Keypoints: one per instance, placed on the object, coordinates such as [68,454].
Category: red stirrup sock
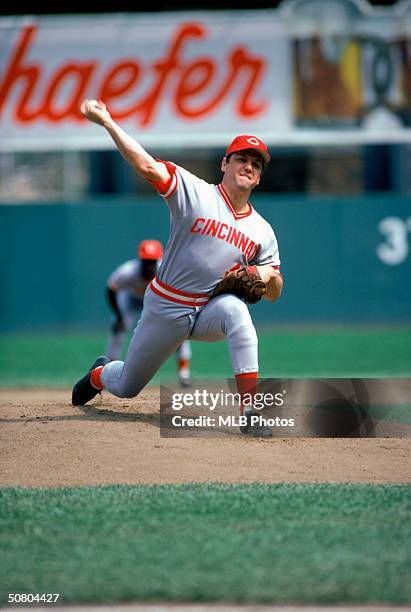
[183,363]
[247,384]
[95,378]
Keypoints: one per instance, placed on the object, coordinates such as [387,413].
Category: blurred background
[326,83]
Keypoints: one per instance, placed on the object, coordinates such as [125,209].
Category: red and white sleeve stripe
[167,188]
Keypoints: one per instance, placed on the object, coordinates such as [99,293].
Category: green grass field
[59,359]
[245,543]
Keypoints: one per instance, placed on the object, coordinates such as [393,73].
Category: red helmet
[150,249]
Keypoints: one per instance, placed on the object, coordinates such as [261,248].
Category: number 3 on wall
[395,249]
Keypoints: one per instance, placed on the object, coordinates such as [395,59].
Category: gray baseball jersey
[129,276]
[207,238]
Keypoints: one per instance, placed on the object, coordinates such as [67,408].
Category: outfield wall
[343,260]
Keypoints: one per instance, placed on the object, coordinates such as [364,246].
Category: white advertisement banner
[309,72]
[172,78]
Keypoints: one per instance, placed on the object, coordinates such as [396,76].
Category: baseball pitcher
[221,255]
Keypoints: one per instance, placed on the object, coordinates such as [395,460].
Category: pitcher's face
[242,170]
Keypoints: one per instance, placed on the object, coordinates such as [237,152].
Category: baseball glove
[248,287]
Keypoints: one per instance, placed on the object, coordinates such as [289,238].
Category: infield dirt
[46,442]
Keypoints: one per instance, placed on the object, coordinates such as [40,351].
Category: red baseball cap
[244,141]
[150,249]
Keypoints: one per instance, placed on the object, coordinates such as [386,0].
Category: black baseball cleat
[255,428]
[83,390]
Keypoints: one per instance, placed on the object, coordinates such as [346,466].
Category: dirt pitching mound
[46,442]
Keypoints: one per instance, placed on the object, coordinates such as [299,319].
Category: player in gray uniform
[125,293]
[213,229]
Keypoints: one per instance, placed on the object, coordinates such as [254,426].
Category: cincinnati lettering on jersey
[223,231]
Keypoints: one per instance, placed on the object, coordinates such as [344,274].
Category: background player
[214,230]
[125,292]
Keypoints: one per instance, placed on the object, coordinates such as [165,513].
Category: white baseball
[92,105]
